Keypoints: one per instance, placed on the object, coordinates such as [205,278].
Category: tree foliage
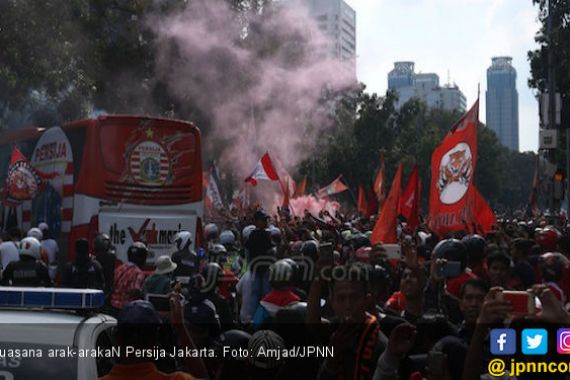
[410,135]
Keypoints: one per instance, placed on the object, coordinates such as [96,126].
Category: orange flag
[379,187]
[300,190]
[385,228]
[362,204]
[410,201]
[484,215]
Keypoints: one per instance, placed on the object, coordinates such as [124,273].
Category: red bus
[134,178]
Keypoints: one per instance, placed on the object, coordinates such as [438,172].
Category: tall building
[337,20]
[404,80]
[502,101]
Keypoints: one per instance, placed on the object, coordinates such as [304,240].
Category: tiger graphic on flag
[455,173]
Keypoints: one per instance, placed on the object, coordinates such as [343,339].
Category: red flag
[300,190]
[452,174]
[484,216]
[336,186]
[23,181]
[362,206]
[410,202]
[372,203]
[264,170]
[379,187]
[386,226]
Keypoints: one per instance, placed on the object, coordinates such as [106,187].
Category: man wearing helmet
[39,235]
[51,248]
[129,277]
[184,256]
[29,270]
[453,250]
[281,277]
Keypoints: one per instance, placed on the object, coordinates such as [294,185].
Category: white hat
[164,265]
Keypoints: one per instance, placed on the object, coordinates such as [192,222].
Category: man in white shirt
[9,248]
[51,247]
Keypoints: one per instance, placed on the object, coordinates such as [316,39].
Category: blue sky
[459,36]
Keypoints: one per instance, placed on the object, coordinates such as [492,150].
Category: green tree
[410,135]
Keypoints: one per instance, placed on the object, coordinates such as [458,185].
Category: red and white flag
[410,201]
[336,186]
[23,181]
[452,186]
[213,190]
[264,170]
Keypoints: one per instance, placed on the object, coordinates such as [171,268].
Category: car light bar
[51,298]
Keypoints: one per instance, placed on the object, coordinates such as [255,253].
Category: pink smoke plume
[314,205]
[262,91]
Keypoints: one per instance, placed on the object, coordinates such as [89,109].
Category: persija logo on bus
[155,158]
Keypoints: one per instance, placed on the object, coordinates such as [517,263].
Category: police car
[48,333]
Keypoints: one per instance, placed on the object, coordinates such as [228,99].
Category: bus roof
[21,134]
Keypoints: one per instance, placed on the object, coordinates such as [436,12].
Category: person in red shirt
[129,277]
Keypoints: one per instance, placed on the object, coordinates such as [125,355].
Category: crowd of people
[283,282]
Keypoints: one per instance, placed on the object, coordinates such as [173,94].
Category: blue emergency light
[51,298]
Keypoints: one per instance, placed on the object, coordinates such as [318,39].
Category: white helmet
[43,226]
[211,231]
[36,233]
[30,246]
[218,249]
[247,231]
[182,241]
[227,237]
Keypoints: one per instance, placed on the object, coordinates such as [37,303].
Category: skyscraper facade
[337,20]
[502,101]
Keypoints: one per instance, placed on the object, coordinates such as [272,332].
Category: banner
[453,165]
